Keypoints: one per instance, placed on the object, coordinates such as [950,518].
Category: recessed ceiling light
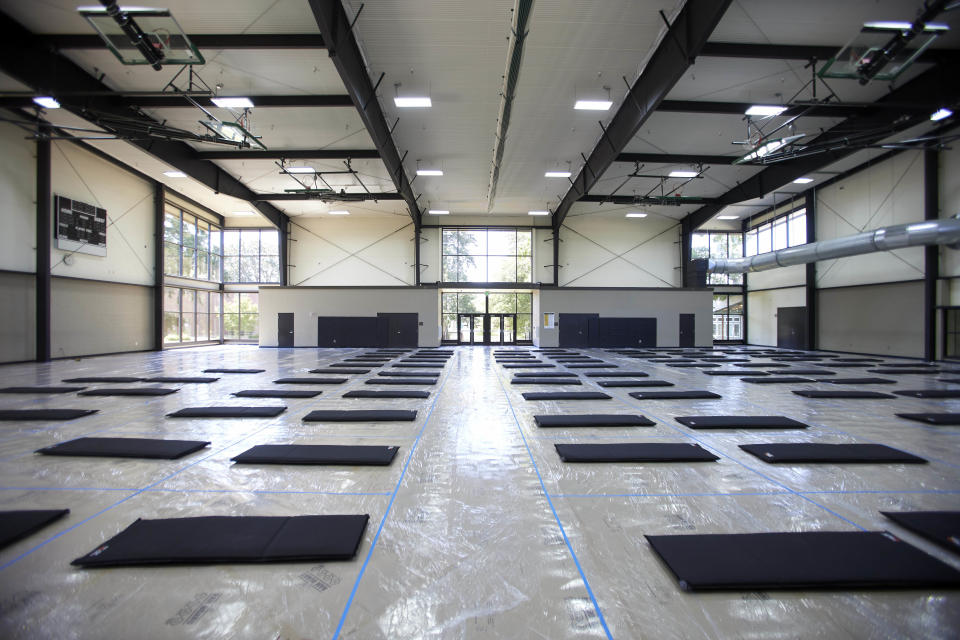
[241,213]
[903,26]
[429,172]
[47,102]
[940,114]
[438,212]
[412,101]
[175,174]
[765,110]
[300,170]
[339,213]
[593,105]
[803,181]
[233,103]
[636,214]
[557,174]
[728,217]
[683,174]
[538,213]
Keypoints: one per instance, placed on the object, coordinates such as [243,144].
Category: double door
[486,328]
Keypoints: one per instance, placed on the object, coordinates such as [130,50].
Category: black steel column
[416,255]
[931,254]
[159,201]
[556,256]
[283,234]
[44,198]
[811,279]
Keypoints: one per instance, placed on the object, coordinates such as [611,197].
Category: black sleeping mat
[15,525]
[933,418]
[740,422]
[546,380]
[363,415]
[182,380]
[616,374]
[590,366]
[859,381]
[894,372]
[941,527]
[418,365]
[790,452]
[317,454]
[727,372]
[817,393]
[386,393]
[634,383]
[44,414]
[310,380]
[128,391]
[634,452]
[277,393]
[593,420]
[776,380]
[222,539]
[227,412]
[929,393]
[41,389]
[125,448]
[565,395]
[104,379]
[234,370]
[674,395]
[414,381]
[338,370]
[542,365]
[807,560]
[545,374]
[409,374]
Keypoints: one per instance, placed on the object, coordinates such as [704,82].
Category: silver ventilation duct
[915,234]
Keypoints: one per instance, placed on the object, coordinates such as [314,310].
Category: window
[190,315]
[727,317]
[718,244]
[784,231]
[487,255]
[241,316]
[251,256]
[520,304]
[191,246]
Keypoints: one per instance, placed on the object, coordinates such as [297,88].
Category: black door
[575,329]
[400,329]
[347,331]
[627,332]
[284,329]
[792,327]
[688,335]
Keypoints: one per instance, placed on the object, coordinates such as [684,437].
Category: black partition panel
[398,329]
[575,329]
[626,332]
[284,329]
[792,328]
[347,331]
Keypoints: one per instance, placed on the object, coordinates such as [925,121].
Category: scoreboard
[79,226]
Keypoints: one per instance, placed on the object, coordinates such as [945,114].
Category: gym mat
[805,560]
[929,393]
[317,454]
[16,525]
[634,452]
[104,379]
[565,395]
[616,374]
[776,380]
[590,366]
[44,414]
[193,380]
[941,527]
[542,365]
[765,365]
[894,372]
[817,452]
[222,539]
[310,380]
[417,381]
[355,365]
[933,418]
[364,415]
[409,374]
[908,365]
[634,383]
[804,372]
[859,360]
[674,395]
[386,393]
[545,374]
[593,420]
[739,422]
[125,448]
[227,412]
[41,389]
[234,370]
[694,365]
[553,380]
[727,372]
[277,393]
[817,393]
[338,370]
[419,365]
[148,391]
[858,381]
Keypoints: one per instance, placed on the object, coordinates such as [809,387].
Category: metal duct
[915,234]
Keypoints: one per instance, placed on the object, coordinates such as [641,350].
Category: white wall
[949,164]
[18,324]
[780,277]
[430,255]
[17,200]
[543,255]
[80,175]
[87,317]
[885,319]
[352,252]
[762,311]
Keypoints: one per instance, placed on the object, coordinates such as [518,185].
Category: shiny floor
[477,530]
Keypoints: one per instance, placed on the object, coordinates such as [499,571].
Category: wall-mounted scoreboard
[79,226]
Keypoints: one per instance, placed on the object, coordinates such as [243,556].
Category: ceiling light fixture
[438,212]
[538,213]
[593,105]
[683,174]
[895,25]
[765,110]
[940,114]
[175,174]
[233,103]
[728,217]
[299,169]
[636,214]
[412,101]
[47,102]
[803,181]
[339,213]
[557,174]
[429,172]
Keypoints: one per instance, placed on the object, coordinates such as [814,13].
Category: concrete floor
[477,530]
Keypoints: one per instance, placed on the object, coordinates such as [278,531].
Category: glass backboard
[160,29]
[870,42]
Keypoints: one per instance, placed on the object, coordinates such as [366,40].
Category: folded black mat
[740,422]
[546,374]
[776,380]
[634,383]
[16,525]
[941,527]
[410,374]
[929,393]
[338,370]
[858,381]
[634,452]
[817,393]
[227,412]
[44,414]
[808,560]
[565,395]
[896,372]
[817,452]
[41,389]
[542,365]
[317,454]
[364,415]
[129,391]
[616,374]
[234,370]
[546,380]
[222,539]
[181,380]
[104,379]
[277,393]
[752,374]
[415,381]
[310,380]
[125,448]
[386,393]
[933,418]
[593,420]
[674,395]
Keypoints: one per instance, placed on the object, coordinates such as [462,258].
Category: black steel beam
[159,201]
[674,55]
[820,109]
[284,239]
[931,254]
[644,200]
[174,101]
[927,86]
[44,233]
[811,270]
[675,158]
[416,255]
[556,257]
[289,154]
[801,52]
[24,57]
[345,53]
[201,40]
[333,197]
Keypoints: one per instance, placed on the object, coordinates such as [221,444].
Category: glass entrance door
[503,329]
[496,329]
[470,328]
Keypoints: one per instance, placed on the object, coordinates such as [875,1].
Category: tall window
[487,255]
[727,317]
[241,316]
[718,244]
[251,256]
[191,246]
[784,231]
[520,304]
[190,315]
